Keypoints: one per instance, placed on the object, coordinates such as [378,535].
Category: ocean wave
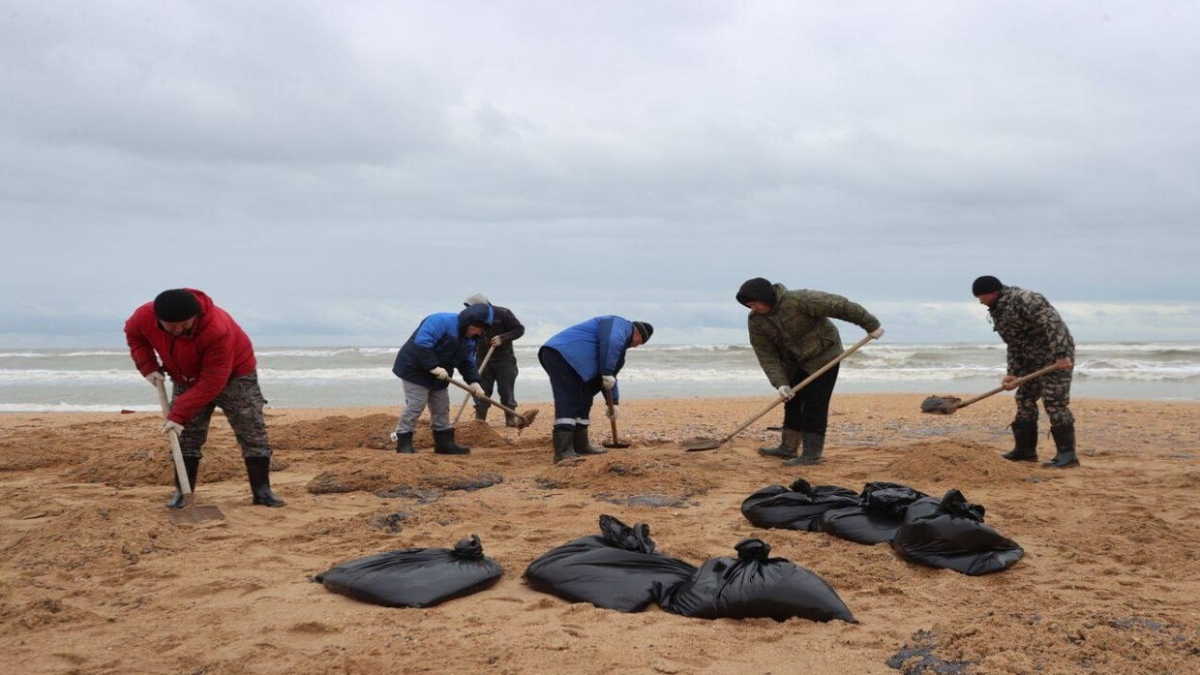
[71,407]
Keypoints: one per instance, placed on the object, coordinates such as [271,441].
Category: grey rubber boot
[1025,435]
[564,442]
[404,444]
[259,471]
[814,445]
[1064,447]
[579,441]
[443,444]
[787,446]
[191,466]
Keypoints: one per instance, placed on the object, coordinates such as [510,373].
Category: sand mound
[371,431]
[944,464]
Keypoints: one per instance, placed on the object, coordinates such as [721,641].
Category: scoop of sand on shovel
[946,405]
[709,444]
[188,512]
[524,419]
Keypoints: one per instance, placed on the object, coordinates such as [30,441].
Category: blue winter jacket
[441,340]
[595,347]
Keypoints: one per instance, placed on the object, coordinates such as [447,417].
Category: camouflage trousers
[1055,391]
[242,402]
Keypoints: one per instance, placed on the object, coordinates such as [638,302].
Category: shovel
[188,512]
[702,444]
[614,443]
[946,405]
[525,418]
[467,398]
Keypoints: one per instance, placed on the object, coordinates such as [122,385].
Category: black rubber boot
[404,444]
[1025,435]
[564,445]
[814,445]
[787,446]
[259,470]
[1064,447]
[443,444]
[481,414]
[579,440]
[191,466]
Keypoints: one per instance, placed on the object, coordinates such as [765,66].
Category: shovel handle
[1019,381]
[612,422]
[185,487]
[487,357]
[808,380]
[467,389]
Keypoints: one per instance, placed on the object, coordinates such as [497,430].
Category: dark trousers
[808,410]
[572,394]
[500,375]
[242,402]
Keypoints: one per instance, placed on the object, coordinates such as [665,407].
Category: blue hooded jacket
[441,340]
[595,347]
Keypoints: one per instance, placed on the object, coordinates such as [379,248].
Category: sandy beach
[96,579]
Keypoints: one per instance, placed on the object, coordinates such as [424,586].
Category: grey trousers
[416,397]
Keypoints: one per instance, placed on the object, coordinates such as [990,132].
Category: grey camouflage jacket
[798,335]
[1033,330]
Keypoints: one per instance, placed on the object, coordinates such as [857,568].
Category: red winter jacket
[216,351]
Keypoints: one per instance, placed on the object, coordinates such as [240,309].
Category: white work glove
[877,333]
[154,378]
[497,341]
[170,426]
[785,392]
[477,390]
[440,373]
[612,412]
[608,381]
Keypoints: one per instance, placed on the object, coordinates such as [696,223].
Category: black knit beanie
[757,289]
[645,329]
[177,304]
[984,285]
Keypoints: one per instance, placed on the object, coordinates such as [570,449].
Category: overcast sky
[331,172]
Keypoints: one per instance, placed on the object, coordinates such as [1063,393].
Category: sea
[104,380]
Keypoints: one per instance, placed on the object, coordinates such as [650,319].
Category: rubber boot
[564,445]
[1025,435]
[814,445]
[259,470]
[481,414]
[787,446]
[443,444]
[511,420]
[404,444]
[191,466]
[1064,447]
[580,442]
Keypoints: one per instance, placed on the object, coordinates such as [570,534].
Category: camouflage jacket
[797,334]
[1034,332]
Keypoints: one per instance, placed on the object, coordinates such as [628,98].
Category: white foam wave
[71,407]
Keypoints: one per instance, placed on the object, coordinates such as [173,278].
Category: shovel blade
[191,513]
[617,444]
[702,444]
[526,419]
[940,405]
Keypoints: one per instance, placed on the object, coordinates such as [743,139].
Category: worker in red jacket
[211,363]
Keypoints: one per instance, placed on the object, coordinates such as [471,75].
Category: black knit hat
[645,329]
[757,289]
[177,304]
[984,285]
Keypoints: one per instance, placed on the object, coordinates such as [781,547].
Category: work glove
[154,378]
[785,392]
[440,373]
[877,333]
[477,390]
[497,341]
[612,412]
[170,426]
[608,381]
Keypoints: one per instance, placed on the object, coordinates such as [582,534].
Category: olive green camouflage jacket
[1033,330]
[797,334]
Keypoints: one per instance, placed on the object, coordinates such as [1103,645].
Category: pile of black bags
[950,533]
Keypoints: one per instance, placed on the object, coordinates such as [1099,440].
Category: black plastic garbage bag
[754,585]
[880,512]
[951,534]
[415,577]
[617,569]
[796,508]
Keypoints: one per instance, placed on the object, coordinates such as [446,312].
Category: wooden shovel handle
[185,486]
[467,389]
[1019,381]
[487,357]
[612,422]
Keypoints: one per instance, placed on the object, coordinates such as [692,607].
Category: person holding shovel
[211,363]
[581,361]
[1035,336]
[793,337]
[425,364]
[501,370]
